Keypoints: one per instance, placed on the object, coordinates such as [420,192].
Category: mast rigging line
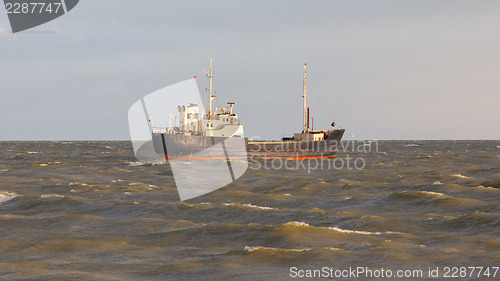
[291,109]
[321,102]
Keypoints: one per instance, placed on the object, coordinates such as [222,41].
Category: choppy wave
[248,205]
[52,196]
[6,196]
[301,224]
[135,163]
[404,207]
[250,249]
[461,176]
[78,184]
[419,194]
[413,145]
[140,163]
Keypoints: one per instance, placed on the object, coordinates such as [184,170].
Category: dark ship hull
[193,147]
[297,150]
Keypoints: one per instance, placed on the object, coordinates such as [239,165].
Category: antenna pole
[210,97]
[304,123]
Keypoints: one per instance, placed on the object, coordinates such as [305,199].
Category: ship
[197,133]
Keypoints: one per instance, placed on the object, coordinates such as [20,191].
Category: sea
[415,210]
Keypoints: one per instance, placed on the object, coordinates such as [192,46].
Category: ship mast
[304,124]
[210,96]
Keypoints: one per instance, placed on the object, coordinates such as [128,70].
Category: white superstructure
[218,122]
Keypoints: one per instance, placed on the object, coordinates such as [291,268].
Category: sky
[379,69]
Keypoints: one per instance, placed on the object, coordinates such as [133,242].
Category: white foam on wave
[250,249]
[297,223]
[437,183]
[338,229]
[52,196]
[413,145]
[258,207]
[140,163]
[77,184]
[248,205]
[433,193]
[461,176]
[6,196]
[136,163]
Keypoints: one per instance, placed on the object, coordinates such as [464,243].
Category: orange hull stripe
[297,157]
[265,157]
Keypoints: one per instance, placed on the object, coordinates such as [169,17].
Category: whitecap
[338,229]
[52,196]
[297,223]
[6,196]
[250,249]
[78,184]
[461,176]
[433,193]
[136,163]
[258,207]
[248,205]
